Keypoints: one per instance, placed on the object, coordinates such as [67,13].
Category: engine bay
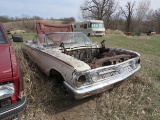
[99,57]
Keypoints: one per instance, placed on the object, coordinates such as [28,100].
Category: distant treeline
[136,22]
[28,23]
[5,18]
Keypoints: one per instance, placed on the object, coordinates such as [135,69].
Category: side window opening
[85,26]
[2,38]
[81,26]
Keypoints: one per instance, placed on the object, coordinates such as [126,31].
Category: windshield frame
[71,40]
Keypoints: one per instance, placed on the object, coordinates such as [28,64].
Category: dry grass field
[137,98]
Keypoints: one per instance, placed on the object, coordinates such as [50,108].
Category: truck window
[81,26]
[2,38]
[97,25]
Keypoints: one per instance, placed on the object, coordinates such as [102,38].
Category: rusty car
[83,67]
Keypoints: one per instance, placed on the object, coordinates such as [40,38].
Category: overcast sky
[50,8]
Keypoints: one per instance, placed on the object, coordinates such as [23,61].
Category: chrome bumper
[98,87]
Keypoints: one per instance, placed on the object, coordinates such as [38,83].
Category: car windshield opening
[67,38]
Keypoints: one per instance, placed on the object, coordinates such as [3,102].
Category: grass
[137,98]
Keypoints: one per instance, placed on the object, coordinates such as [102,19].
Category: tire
[17,38]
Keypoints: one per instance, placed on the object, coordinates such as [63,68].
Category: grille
[99,31]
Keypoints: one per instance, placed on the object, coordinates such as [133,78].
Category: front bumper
[98,87]
[97,34]
[12,109]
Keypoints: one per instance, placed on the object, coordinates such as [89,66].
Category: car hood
[5,63]
[77,64]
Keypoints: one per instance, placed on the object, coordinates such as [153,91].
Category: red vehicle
[12,101]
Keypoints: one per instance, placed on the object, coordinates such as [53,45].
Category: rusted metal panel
[43,28]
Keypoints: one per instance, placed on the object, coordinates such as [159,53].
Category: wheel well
[54,73]
[25,55]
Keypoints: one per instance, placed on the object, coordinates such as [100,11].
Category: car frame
[69,56]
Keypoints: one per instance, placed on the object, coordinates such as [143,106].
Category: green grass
[145,44]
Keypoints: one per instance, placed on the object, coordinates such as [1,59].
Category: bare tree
[141,11]
[98,9]
[116,20]
[156,17]
[148,22]
[5,18]
[128,14]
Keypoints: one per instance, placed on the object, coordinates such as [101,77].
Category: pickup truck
[12,100]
